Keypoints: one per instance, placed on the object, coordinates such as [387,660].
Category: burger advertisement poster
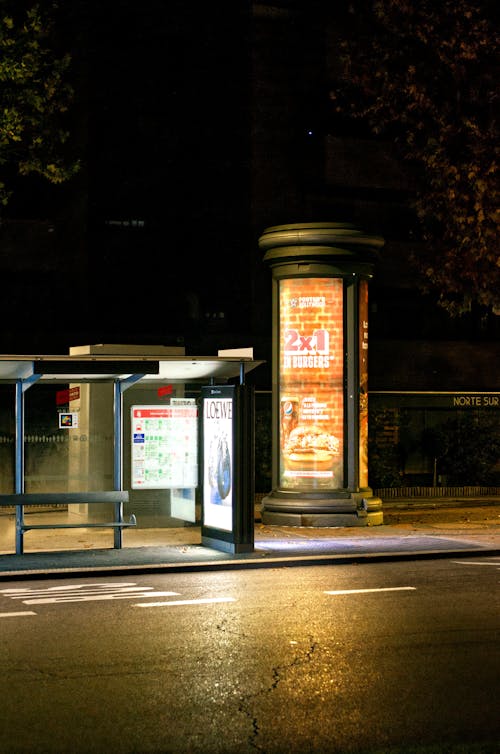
[311,383]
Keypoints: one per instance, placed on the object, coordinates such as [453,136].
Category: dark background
[199,127]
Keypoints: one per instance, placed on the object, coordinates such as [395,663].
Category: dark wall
[169,161]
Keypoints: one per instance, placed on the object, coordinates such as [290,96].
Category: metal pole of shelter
[21,387]
[119,388]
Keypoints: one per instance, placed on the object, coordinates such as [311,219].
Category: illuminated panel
[363,383]
[311,383]
[164,447]
[218,460]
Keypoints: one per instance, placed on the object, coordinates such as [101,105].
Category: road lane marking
[366,591]
[475,562]
[207,601]
[65,591]
[96,597]
[17,615]
[83,593]
[98,593]
[69,588]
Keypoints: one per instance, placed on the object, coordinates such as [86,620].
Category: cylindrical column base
[338,508]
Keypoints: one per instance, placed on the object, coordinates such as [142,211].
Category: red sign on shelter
[65,396]
[164,390]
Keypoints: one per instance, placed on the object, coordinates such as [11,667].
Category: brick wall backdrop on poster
[312,366]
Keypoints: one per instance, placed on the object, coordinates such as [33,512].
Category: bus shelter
[77,429]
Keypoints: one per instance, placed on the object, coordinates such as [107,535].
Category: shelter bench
[116,497]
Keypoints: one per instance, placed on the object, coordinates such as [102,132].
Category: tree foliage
[426,74]
[35,95]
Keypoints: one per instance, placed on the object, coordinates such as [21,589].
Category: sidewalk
[412,529]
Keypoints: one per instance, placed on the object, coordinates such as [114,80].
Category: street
[383,657]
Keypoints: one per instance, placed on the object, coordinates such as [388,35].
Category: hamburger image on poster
[310,447]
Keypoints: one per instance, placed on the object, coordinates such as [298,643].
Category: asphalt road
[382,657]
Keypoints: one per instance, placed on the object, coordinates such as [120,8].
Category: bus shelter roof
[97,368]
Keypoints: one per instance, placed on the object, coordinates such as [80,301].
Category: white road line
[83,593]
[366,591]
[69,588]
[99,593]
[96,597]
[207,601]
[76,591]
[474,562]
[16,615]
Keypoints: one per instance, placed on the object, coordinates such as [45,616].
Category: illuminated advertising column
[320,375]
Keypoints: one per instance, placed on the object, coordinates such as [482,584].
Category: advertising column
[320,274]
